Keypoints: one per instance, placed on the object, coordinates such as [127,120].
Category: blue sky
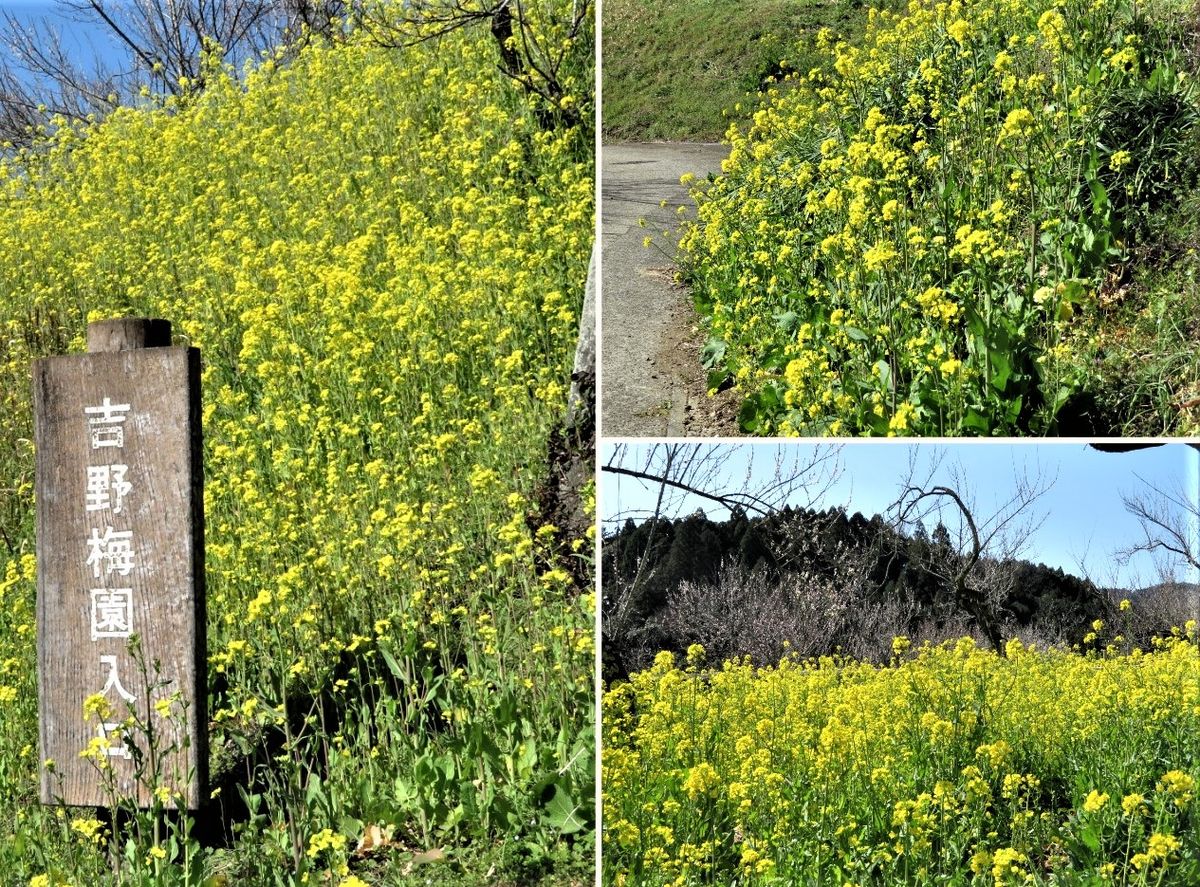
[1085,521]
[83,41]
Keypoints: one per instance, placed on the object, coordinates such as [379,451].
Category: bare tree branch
[999,536]
[1168,520]
[530,52]
[797,476]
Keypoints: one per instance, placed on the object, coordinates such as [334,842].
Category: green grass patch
[1143,368]
[673,68]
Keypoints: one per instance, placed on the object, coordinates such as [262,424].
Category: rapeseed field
[933,230]
[381,254]
[949,765]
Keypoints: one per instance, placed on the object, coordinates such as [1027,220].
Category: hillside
[381,255]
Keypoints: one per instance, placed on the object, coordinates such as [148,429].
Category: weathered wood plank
[120,548]
[128,334]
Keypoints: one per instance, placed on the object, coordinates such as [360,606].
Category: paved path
[649,370]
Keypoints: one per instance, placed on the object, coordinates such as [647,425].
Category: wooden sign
[120,553]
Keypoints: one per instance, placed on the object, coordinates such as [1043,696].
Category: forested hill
[859,562]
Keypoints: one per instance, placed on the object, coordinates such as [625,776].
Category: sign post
[120,553]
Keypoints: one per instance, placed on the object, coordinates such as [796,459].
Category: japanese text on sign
[109,552]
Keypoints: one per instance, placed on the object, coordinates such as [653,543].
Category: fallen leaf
[425,857]
[373,838]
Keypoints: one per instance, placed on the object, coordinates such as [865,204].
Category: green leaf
[562,811]
[774,358]
[1099,196]
[1061,396]
[1001,369]
[770,399]
[504,812]
[713,353]
[855,334]
[787,321]
[716,379]
[403,791]
[884,369]
[313,792]
[877,424]
[1072,291]
[1014,409]
[349,826]
[529,756]
[976,421]
[390,661]
[749,414]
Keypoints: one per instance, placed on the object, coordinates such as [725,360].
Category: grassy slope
[672,66]
[1146,366]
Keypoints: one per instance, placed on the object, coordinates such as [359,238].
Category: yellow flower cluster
[951,761]
[325,840]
